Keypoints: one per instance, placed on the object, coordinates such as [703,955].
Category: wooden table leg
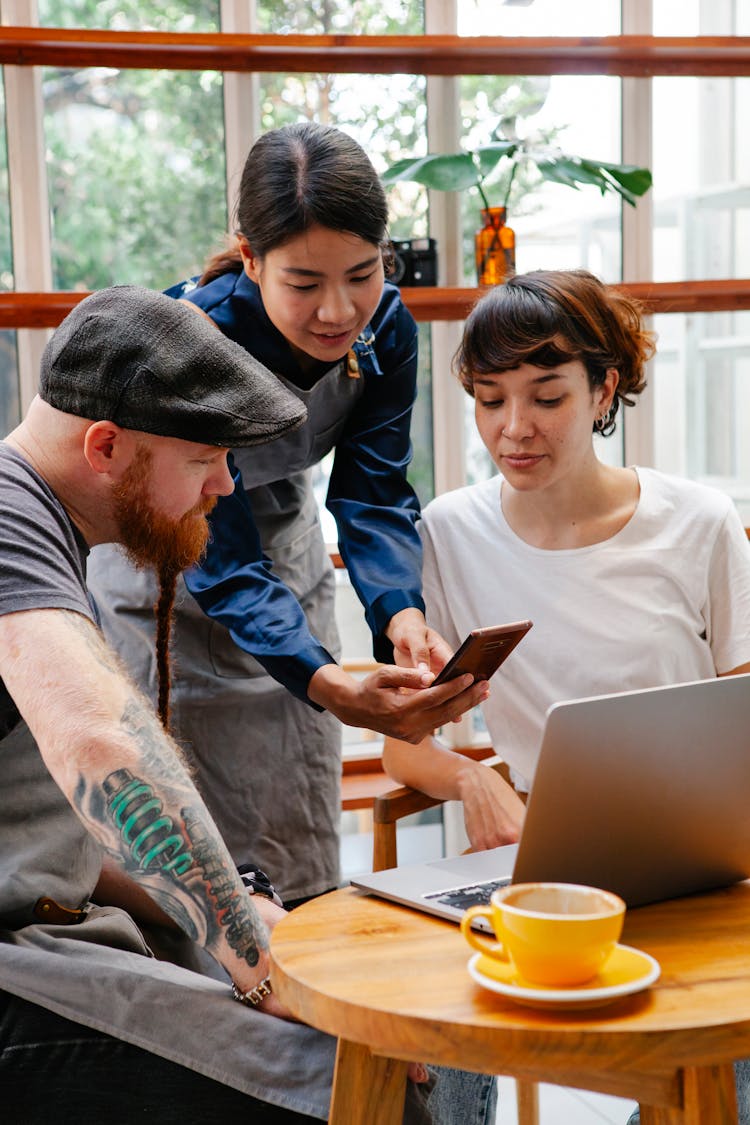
[367,1089]
[709,1098]
[527,1102]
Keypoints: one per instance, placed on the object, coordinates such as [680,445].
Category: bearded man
[139,401]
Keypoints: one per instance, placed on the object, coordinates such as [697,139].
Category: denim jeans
[742,1081]
[54,1070]
[462,1098]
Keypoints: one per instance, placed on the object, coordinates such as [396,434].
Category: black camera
[414,261]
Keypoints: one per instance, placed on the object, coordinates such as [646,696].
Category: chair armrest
[397,803]
[391,807]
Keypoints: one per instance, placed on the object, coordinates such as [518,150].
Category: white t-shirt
[665,600]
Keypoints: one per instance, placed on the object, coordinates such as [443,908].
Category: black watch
[257,882]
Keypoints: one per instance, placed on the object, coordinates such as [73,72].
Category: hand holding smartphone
[483,651]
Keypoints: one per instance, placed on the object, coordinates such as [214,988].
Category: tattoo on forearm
[150,835]
[141,722]
[156,842]
[232,907]
[166,839]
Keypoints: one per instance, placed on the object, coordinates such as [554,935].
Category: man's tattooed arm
[150,817]
[124,776]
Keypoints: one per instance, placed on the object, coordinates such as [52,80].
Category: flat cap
[147,362]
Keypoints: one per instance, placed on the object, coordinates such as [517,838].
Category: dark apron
[267,764]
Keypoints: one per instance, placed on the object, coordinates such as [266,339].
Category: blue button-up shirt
[374,507]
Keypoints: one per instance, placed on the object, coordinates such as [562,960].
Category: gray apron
[103,973]
[267,764]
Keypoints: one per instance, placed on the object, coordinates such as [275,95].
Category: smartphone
[483,651]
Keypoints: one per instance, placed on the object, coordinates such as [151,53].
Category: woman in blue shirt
[258,692]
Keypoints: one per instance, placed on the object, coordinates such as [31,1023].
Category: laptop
[645,793]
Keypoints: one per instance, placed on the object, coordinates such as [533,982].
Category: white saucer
[628,970]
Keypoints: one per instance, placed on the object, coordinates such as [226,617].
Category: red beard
[149,537]
[170,546]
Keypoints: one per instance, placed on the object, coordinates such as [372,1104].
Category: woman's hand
[415,645]
[394,701]
[493,811]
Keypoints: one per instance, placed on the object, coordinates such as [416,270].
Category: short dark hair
[550,317]
[298,176]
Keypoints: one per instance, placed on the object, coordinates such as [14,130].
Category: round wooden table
[392,985]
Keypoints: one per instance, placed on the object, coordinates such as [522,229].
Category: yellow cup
[556,934]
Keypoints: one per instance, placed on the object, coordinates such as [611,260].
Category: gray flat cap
[148,362]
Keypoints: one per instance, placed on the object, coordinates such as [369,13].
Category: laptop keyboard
[477,894]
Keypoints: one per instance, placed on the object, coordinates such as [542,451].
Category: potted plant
[495,242]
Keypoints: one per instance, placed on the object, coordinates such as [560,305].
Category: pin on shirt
[352,364]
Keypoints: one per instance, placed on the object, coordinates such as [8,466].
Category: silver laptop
[646,793]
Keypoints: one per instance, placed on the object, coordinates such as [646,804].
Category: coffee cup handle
[483,944]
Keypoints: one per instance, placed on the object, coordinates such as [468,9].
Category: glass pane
[135,157]
[479,464]
[676,17]
[701,227]
[421,470]
[135,162]
[556,227]
[700,17]
[131,15]
[539,17]
[702,400]
[342,17]
[10,398]
[701,178]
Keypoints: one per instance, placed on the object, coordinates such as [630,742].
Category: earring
[603,421]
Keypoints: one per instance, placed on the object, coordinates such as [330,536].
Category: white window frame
[29,197]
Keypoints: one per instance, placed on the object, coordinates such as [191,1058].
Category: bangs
[505,348]
[552,353]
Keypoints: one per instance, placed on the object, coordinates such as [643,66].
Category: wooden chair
[390,807]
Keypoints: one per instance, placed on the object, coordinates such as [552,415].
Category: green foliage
[135,157]
[355,17]
[627,180]
[463,170]
[136,169]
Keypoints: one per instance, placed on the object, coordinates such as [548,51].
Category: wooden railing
[625,56]
[657,297]
[46,310]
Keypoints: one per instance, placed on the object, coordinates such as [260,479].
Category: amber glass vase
[494,248]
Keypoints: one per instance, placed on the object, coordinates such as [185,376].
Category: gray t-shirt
[102,973]
[42,555]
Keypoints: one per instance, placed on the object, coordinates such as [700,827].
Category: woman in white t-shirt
[632,578]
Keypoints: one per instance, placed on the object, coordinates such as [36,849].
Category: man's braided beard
[169,546]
